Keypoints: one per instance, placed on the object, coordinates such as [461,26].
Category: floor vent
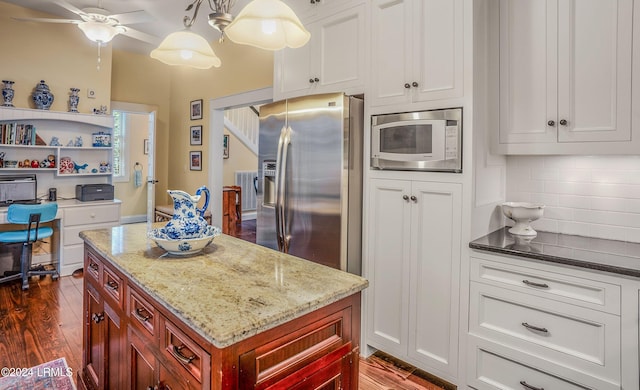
[245,180]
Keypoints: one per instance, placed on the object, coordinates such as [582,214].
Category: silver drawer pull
[536,328]
[528,386]
[534,284]
[176,352]
[142,314]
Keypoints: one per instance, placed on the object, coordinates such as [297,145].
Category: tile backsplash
[593,196]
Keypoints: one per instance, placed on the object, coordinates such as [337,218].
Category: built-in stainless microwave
[421,141]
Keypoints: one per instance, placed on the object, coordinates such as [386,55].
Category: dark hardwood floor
[45,323]
[246,230]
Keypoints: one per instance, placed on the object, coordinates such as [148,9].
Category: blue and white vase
[188,220]
[74,99]
[7,93]
[42,96]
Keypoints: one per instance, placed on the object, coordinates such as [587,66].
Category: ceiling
[167,14]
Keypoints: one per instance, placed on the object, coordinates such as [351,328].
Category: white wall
[594,196]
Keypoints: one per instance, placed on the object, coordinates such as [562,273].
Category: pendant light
[186,48]
[266,24]
[269,25]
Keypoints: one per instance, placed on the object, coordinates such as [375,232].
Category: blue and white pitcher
[188,220]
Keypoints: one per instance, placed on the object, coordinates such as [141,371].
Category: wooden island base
[132,341]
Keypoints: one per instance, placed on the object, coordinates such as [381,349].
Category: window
[120,154]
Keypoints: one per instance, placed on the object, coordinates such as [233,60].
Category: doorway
[217,107]
[135,185]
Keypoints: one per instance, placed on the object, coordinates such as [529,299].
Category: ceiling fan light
[268,24]
[99,32]
[186,48]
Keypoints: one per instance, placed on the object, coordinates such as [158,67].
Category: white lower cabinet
[79,217]
[545,326]
[413,268]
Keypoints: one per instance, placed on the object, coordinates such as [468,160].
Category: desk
[67,248]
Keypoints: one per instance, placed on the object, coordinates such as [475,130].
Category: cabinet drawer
[187,357]
[72,236]
[172,381]
[493,371]
[73,254]
[93,268]
[554,285]
[572,336]
[142,314]
[113,287]
[90,215]
[267,364]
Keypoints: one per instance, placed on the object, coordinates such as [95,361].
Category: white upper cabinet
[416,51]
[332,61]
[565,76]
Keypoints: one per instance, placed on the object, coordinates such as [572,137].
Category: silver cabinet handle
[310,81]
[405,197]
[551,123]
[407,85]
[534,284]
[536,328]
[563,122]
[528,386]
[414,84]
[176,352]
[140,314]
[97,317]
[414,199]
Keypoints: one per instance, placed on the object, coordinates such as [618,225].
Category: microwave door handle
[285,212]
[279,183]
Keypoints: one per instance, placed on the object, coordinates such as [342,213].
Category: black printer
[90,192]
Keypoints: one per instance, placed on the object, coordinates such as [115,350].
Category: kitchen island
[236,316]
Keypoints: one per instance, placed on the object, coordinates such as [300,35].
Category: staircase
[243,123]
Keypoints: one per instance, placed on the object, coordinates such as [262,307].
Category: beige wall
[243,69]
[140,79]
[59,54]
[240,158]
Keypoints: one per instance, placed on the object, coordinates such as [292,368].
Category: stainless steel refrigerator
[310,179]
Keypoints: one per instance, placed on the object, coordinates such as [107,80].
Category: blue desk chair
[30,216]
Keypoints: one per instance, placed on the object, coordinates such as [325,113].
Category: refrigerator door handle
[279,184]
[285,237]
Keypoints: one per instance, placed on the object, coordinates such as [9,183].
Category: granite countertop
[232,290]
[619,257]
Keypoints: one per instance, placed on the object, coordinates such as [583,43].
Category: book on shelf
[17,134]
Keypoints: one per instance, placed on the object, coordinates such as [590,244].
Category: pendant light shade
[186,48]
[267,24]
[100,32]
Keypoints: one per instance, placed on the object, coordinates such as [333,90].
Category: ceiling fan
[100,26]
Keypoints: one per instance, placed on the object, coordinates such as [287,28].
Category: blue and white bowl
[184,246]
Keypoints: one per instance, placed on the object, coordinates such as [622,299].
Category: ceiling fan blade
[139,35]
[69,7]
[133,17]
[46,20]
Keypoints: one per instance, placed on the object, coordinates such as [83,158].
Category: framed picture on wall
[195,160]
[225,146]
[145,148]
[196,109]
[196,135]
